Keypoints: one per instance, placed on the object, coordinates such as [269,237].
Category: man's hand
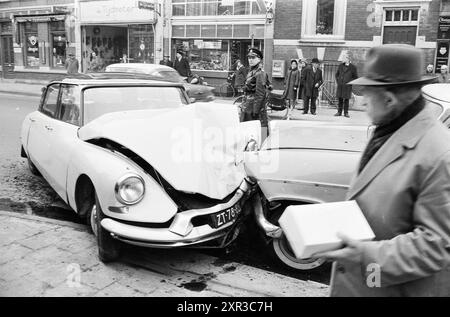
[317,85]
[351,253]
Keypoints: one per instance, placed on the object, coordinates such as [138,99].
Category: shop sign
[115,11]
[278,68]
[442,55]
[146,5]
[213,45]
[444,28]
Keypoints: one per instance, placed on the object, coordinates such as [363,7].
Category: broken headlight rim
[130,189]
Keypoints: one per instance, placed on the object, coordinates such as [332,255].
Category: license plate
[226,216]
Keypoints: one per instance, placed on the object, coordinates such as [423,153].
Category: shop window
[193,31]
[224,31]
[178,31]
[59,40]
[324,18]
[241,30]
[208,31]
[141,43]
[32,45]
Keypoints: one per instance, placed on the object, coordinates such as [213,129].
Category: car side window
[70,105]
[50,104]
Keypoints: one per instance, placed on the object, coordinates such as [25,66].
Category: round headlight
[130,189]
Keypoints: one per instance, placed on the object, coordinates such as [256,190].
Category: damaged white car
[140,163]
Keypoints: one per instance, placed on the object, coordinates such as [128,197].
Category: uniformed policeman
[255,89]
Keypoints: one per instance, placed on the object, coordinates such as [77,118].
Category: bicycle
[228,88]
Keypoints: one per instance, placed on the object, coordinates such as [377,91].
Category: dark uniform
[255,90]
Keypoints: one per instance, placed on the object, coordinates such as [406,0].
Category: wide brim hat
[255,52]
[393,64]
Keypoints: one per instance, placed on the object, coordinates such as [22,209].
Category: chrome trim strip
[331,185]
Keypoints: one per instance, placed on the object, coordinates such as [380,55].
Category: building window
[401,15]
[32,44]
[400,25]
[324,19]
[59,42]
[215,7]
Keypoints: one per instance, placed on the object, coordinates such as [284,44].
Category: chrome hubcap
[93,219]
[285,254]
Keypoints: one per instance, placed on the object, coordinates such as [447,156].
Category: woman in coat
[292,82]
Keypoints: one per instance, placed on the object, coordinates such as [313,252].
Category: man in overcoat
[402,186]
[346,73]
[311,81]
[181,65]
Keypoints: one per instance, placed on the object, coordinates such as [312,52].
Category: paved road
[22,192]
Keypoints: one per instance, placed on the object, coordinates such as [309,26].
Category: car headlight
[130,189]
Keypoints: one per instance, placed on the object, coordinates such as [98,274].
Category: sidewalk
[46,257]
[22,87]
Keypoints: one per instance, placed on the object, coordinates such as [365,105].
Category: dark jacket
[72,66]
[182,67]
[309,81]
[344,75]
[291,82]
[241,75]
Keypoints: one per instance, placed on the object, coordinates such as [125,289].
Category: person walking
[256,90]
[72,64]
[444,76]
[166,61]
[181,65]
[346,72]
[240,76]
[402,187]
[291,83]
[311,81]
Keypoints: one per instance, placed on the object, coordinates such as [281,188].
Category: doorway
[7,54]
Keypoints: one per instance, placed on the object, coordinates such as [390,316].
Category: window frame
[58,117]
[309,13]
[41,106]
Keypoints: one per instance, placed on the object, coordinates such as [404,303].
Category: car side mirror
[192,100]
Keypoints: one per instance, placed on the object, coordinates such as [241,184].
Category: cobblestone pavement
[46,257]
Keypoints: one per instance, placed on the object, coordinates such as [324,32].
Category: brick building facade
[328,28]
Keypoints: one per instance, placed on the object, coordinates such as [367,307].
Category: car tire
[281,251]
[108,247]
[33,168]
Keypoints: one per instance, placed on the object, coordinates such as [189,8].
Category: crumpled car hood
[196,148]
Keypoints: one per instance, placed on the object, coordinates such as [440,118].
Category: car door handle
[32,120]
[49,128]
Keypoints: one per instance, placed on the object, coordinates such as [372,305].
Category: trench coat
[410,216]
[182,67]
[291,82]
[309,79]
[344,75]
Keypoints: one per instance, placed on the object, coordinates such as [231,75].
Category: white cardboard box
[313,228]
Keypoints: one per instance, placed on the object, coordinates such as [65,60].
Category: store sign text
[114,11]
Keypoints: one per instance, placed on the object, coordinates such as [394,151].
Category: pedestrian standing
[256,90]
[240,76]
[311,81]
[302,67]
[444,76]
[181,65]
[166,61]
[72,64]
[291,84]
[402,187]
[346,72]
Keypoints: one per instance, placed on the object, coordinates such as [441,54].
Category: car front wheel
[108,247]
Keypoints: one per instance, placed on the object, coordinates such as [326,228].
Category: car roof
[439,92]
[141,67]
[112,78]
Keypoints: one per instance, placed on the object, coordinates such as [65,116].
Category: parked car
[160,72]
[123,153]
[304,162]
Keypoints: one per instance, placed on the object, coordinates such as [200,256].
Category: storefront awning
[40,18]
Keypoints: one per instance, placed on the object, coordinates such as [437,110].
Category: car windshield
[101,100]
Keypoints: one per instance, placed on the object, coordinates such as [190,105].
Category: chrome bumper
[181,232]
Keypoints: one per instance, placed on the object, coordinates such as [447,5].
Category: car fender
[25,130]
[105,168]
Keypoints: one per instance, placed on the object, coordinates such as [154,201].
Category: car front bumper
[181,231]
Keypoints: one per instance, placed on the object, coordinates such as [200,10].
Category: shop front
[115,32]
[213,49]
